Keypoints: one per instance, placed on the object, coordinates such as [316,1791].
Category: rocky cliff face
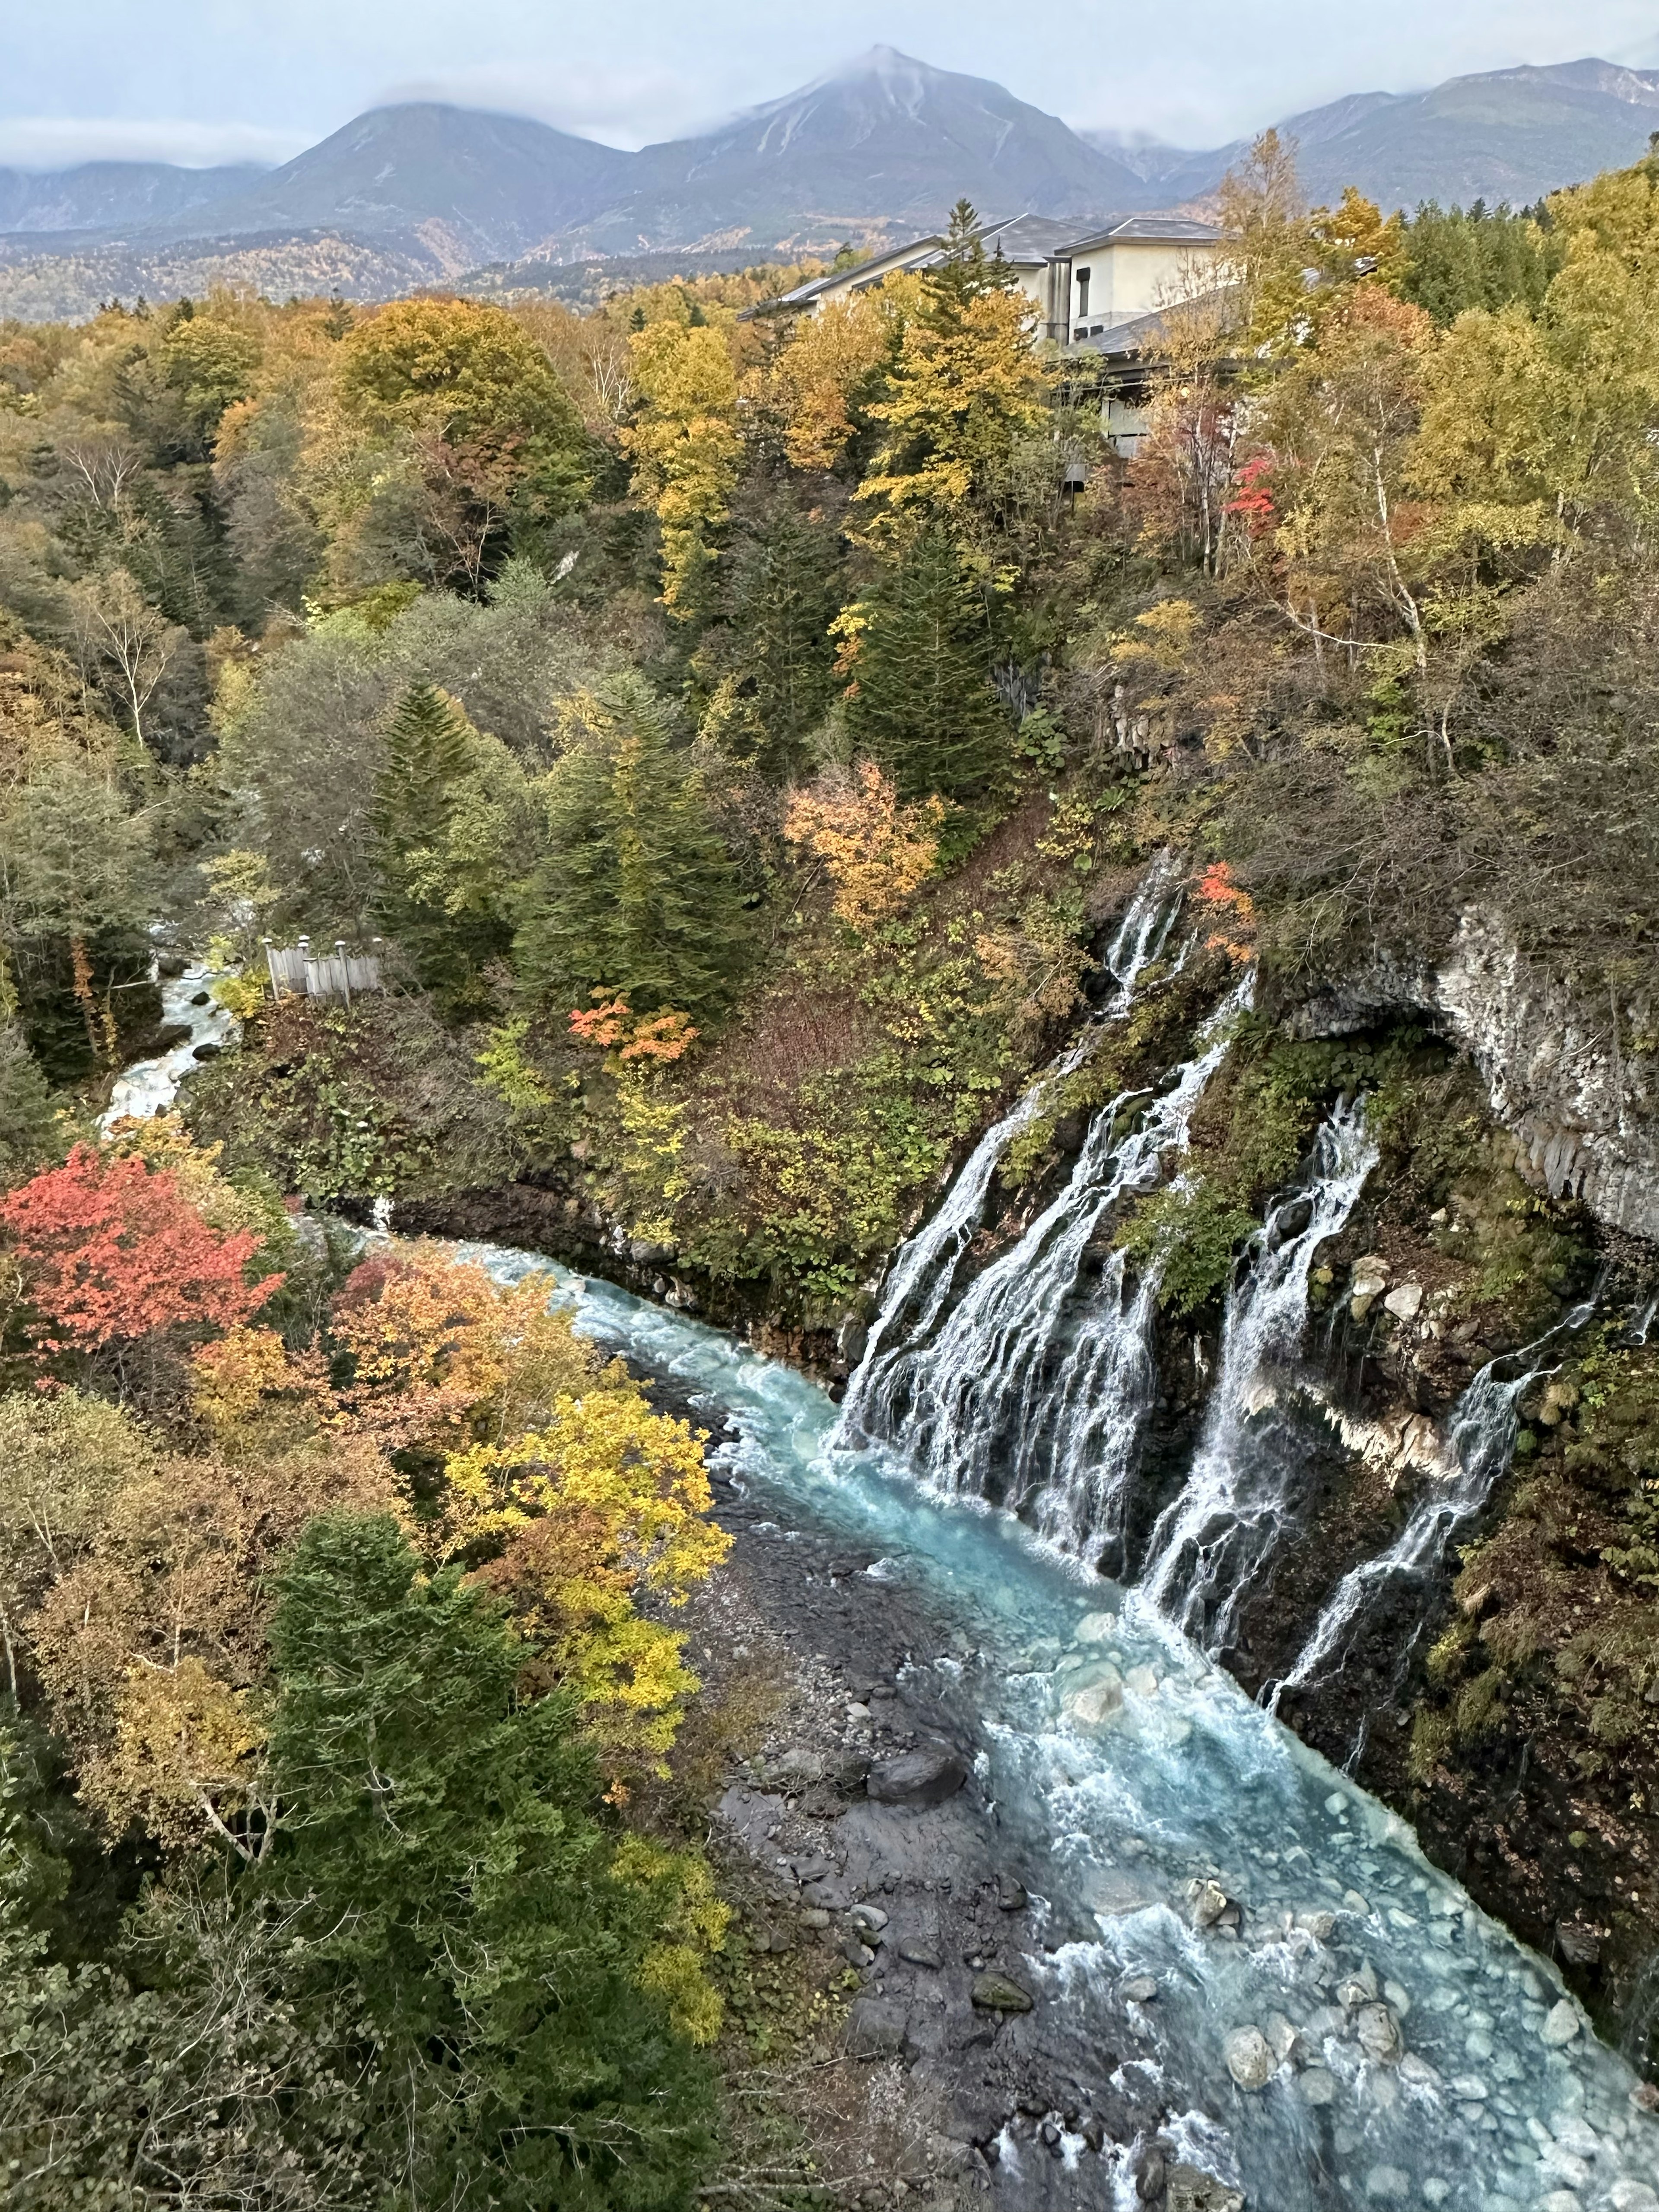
[1574,1082]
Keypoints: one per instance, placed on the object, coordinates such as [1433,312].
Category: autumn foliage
[877,854]
[112,1252]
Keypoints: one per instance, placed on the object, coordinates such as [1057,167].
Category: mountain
[1509,134]
[883,146]
[428,193]
[472,186]
[111,195]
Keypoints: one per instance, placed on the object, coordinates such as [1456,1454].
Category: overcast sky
[202,81]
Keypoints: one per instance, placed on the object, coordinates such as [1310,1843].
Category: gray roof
[1138,334]
[1163,229]
[1025,240]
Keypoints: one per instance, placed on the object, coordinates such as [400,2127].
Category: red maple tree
[112,1252]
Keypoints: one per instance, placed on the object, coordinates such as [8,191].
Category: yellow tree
[685,447]
[571,1522]
[832,359]
[966,387]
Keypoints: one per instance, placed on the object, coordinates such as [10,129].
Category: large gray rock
[1188,2190]
[998,1993]
[1581,1108]
[875,2028]
[1250,2058]
[926,1776]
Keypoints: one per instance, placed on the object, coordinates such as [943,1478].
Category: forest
[733,733]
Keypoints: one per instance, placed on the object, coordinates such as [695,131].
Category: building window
[1083,295]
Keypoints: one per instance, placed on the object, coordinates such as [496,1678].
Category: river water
[1426,2058]
[1407,2050]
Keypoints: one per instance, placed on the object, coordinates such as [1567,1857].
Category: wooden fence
[297,971]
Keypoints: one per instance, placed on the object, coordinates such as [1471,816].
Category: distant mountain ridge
[425,193]
[1510,134]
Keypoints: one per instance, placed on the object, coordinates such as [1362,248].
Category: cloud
[629,107]
[59,141]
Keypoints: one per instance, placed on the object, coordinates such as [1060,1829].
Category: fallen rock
[1379,2033]
[1094,1703]
[919,1954]
[1206,1901]
[1187,2188]
[1317,2085]
[875,2028]
[1012,1895]
[1318,1924]
[926,1776]
[869,1916]
[1095,1628]
[1633,2196]
[1249,2058]
[1370,1275]
[1578,1945]
[1405,1303]
[1561,2024]
[794,1770]
[994,1992]
[1141,1988]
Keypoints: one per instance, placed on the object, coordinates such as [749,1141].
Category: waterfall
[1032,1389]
[1483,1430]
[149,1086]
[1212,1540]
[923,1275]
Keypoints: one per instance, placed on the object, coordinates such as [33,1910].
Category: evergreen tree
[637,896]
[1479,258]
[431,750]
[783,598]
[922,704]
[453,1885]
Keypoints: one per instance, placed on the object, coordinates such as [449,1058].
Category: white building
[1102,292]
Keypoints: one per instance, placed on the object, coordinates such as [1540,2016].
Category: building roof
[1141,335]
[1028,241]
[1149,229]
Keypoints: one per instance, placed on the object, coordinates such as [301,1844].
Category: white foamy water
[149,1086]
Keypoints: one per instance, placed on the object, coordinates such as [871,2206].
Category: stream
[1334,2023]
[1414,2053]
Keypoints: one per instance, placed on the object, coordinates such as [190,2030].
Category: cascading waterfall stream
[1500,2099]
[1212,1540]
[1026,1393]
[1483,1430]
[923,1275]
[149,1086]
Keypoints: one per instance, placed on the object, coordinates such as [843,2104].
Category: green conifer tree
[783,598]
[447,1878]
[430,749]
[637,896]
[922,703]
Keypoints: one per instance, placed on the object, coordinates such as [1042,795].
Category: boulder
[1093,1703]
[1560,2025]
[1207,1902]
[1378,2032]
[1095,1628]
[995,1992]
[875,2028]
[1405,1303]
[926,1776]
[1140,1989]
[1187,2188]
[1249,2058]
[1012,1895]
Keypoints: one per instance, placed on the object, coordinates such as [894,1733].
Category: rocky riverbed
[859,1836]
